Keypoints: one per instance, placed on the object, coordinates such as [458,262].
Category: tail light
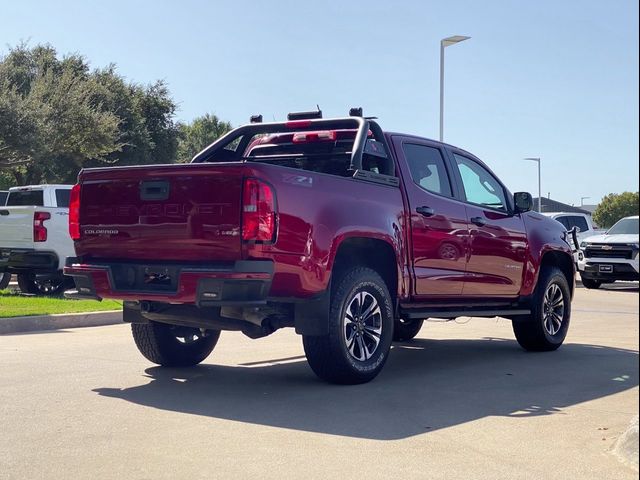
[39,230]
[74,212]
[258,211]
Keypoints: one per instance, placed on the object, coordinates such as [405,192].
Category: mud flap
[312,316]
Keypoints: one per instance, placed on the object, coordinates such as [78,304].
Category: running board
[468,312]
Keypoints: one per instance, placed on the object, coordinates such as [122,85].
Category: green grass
[16,305]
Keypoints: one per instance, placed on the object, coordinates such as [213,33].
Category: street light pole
[535,159]
[445,42]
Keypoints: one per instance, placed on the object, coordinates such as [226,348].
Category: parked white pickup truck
[34,237]
[612,256]
[4,277]
[580,220]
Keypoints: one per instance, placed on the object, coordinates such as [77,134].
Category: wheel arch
[562,261]
[374,253]
[312,317]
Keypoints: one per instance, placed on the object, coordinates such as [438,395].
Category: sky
[556,80]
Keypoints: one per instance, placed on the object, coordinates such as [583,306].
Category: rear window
[62,198]
[323,146]
[25,198]
[313,151]
[579,222]
[3,197]
[564,221]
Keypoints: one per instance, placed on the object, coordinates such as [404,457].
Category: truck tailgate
[16,226]
[185,212]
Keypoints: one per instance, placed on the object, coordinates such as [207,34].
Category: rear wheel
[5,278]
[52,285]
[172,345]
[589,283]
[360,330]
[546,327]
[404,329]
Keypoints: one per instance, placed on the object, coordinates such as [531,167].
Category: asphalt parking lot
[461,401]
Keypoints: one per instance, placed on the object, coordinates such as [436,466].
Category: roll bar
[362,126]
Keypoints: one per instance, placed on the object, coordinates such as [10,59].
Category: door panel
[439,230]
[497,239]
[497,252]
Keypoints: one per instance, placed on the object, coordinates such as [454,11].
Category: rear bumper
[239,283]
[24,260]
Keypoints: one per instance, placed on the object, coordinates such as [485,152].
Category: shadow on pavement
[426,385]
[630,287]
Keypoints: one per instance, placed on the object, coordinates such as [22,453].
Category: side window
[62,198]
[579,222]
[427,168]
[480,186]
[565,222]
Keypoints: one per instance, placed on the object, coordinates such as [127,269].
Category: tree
[47,112]
[198,134]
[615,206]
[58,115]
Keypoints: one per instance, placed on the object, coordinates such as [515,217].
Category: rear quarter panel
[317,212]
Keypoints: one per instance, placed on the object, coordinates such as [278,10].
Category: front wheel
[172,345]
[360,330]
[546,327]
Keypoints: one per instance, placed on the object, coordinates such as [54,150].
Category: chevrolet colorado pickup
[34,237]
[351,235]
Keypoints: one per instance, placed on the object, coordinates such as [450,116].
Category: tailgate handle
[154,190]
[4,212]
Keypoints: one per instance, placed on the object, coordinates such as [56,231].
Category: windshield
[626,226]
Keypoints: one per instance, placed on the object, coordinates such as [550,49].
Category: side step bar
[462,312]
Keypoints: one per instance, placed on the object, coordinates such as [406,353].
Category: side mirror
[523,201]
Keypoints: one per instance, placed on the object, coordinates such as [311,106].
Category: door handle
[4,213]
[426,211]
[479,221]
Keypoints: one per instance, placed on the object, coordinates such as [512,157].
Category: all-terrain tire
[360,330]
[173,346]
[546,327]
[404,330]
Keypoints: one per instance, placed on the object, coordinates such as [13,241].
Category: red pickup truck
[351,235]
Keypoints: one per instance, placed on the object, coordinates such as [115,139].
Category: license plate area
[145,278]
[157,277]
[605,268]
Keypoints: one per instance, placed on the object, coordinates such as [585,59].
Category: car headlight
[583,244]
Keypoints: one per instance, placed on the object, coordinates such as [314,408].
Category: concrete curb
[53,322]
[626,448]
